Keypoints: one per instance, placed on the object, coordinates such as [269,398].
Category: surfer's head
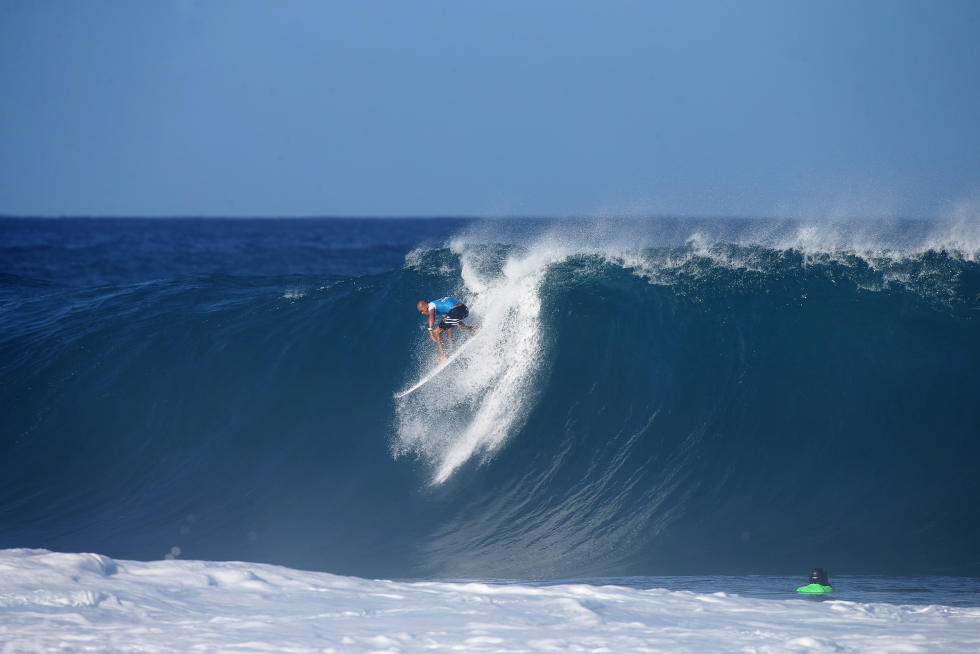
[422,306]
[819,576]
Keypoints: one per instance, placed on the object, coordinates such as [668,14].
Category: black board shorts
[454,317]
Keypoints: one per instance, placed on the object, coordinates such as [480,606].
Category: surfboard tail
[435,371]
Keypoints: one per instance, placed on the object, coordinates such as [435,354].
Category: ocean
[656,415]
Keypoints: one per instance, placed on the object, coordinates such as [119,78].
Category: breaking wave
[657,397]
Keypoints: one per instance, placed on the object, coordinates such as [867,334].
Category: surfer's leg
[438,332]
[455,318]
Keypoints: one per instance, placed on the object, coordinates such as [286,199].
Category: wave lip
[474,407]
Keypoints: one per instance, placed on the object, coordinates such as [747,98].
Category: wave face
[644,397]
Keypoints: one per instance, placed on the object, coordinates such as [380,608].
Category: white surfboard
[435,371]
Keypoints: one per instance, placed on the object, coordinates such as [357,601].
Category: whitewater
[89,602]
[662,425]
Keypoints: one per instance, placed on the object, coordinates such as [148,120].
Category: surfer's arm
[432,332]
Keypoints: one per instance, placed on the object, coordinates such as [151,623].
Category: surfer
[454,312]
[819,583]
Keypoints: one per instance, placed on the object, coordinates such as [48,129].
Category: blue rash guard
[444,305]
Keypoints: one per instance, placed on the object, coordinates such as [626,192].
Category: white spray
[471,408]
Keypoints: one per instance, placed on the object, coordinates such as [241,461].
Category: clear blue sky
[535,107]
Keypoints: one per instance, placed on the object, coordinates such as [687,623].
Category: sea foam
[79,602]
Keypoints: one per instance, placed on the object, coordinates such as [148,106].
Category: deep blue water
[700,397]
